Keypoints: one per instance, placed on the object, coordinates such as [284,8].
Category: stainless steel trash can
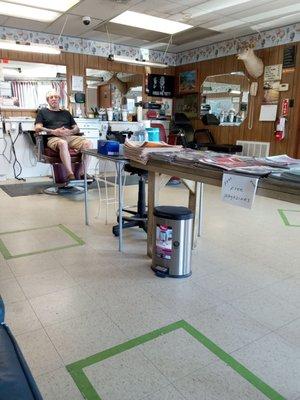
[172,244]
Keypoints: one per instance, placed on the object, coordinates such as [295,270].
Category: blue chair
[16,379]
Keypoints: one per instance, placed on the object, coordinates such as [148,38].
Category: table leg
[152,202]
[194,206]
[200,219]
[120,196]
[85,191]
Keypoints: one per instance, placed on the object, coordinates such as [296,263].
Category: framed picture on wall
[188,82]
[188,105]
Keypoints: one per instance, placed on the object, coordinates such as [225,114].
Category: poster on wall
[77,83]
[188,81]
[289,57]
[188,105]
[273,73]
[271,92]
[160,85]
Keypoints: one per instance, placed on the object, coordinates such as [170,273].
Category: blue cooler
[108,147]
[153,134]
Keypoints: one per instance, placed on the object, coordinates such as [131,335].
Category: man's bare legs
[85,146]
[65,157]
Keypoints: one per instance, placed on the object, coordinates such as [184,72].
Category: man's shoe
[88,177]
[71,177]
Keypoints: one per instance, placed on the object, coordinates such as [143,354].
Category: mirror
[226,97]
[23,85]
[115,90]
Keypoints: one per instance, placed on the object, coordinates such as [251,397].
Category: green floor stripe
[7,254]
[71,234]
[28,230]
[229,360]
[4,251]
[124,346]
[88,391]
[283,217]
[40,251]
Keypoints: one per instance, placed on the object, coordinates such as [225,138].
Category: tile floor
[69,304]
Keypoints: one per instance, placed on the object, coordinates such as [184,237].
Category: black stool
[137,218]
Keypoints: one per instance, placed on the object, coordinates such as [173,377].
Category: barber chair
[48,156]
[204,140]
[182,132]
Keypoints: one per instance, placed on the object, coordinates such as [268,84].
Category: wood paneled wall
[261,131]
[76,65]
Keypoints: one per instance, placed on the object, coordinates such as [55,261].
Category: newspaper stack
[140,151]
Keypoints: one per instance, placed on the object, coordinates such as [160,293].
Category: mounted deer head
[122,86]
[253,64]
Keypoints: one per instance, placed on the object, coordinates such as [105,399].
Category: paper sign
[239,190]
[268,112]
[273,73]
[77,83]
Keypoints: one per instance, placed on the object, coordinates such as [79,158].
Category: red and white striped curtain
[26,93]
[31,94]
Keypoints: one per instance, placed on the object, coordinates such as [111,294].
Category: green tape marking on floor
[71,234]
[234,364]
[7,254]
[285,218]
[29,229]
[4,251]
[88,391]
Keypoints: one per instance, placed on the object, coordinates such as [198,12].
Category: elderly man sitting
[62,130]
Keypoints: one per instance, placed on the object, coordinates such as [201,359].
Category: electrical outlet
[283,87]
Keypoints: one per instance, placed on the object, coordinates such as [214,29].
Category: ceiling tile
[102,9]
[28,24]
[191,35]
[124,30]
[3,18]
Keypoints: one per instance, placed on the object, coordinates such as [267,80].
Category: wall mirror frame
[23,85]
[227,97]
[110,89]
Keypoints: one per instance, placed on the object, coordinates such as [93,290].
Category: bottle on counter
[139,113]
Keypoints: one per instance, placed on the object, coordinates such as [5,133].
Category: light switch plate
[283,87]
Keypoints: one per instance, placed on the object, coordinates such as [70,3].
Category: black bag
[210,119]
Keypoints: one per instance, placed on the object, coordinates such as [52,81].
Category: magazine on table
[249,165]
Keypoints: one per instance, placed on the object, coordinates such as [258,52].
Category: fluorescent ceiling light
[29,48]
[128,60]
[216,5]
[277,22]
[253,18]
[36,14]
[56,5]
[144,21]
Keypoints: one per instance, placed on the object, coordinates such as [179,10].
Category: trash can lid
[173,212]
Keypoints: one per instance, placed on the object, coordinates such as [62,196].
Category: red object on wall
[285,107]
[280,129]
[152,114]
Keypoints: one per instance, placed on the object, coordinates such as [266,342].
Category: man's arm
[73,131]
[56,132]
